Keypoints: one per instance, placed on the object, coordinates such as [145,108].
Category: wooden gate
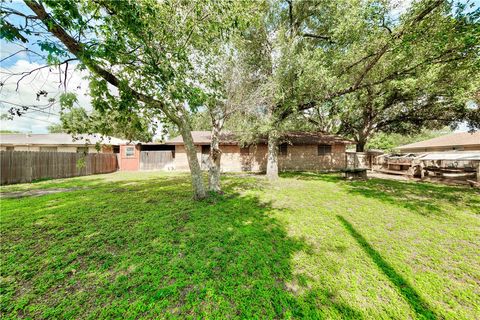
[155,160]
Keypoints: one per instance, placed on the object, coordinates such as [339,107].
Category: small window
[10,148]
[129,151]
[48,149]
[283,149]
[82,149]
[206,149]
[324,149]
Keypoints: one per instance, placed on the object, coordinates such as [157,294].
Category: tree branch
[317,36]
[76,48]
[384,49]
[13,54]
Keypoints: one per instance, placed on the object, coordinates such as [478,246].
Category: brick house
[300,151]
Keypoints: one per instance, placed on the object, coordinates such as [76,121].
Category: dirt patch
[34,193]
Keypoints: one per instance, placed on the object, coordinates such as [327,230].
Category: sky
[48,80]
[45,79]
[38,121]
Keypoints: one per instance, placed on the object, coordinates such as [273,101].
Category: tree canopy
[148,59]
[356,68]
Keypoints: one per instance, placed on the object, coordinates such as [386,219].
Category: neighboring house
[59,142]
[461,141]
[301,151]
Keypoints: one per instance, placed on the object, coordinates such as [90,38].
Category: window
[324,149]
[82,149]
[48,149]
[10,148]
[129,151]
[283,149]
[206,149]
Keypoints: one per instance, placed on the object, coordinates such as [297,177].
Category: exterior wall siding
[26,148]
[66,149]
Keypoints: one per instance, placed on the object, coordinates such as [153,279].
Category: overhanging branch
[76,48]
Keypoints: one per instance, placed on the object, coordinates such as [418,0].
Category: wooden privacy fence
[26,166]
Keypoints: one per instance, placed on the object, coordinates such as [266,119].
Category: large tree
[226,103]
[338,56]
[144,56]
[426,82]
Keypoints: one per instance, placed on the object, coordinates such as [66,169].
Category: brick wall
[306,158]
[254,158]
[180,162]
[231,159]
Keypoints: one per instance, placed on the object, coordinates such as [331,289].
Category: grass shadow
[135,248]
[313,176]
[421,197]
[410,295]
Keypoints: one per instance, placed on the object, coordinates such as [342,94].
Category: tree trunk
[215,156]
[196,173]
[272,157]
[361,145]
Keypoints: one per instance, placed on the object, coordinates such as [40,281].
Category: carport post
[422,170]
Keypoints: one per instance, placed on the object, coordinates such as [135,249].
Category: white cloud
[9,48]
[399,7]
[47,79]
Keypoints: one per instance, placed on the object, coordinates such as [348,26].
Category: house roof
[458,156]
[57,139]
[294,137]
[451,140]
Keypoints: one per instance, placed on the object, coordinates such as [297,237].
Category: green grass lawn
[310,246]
